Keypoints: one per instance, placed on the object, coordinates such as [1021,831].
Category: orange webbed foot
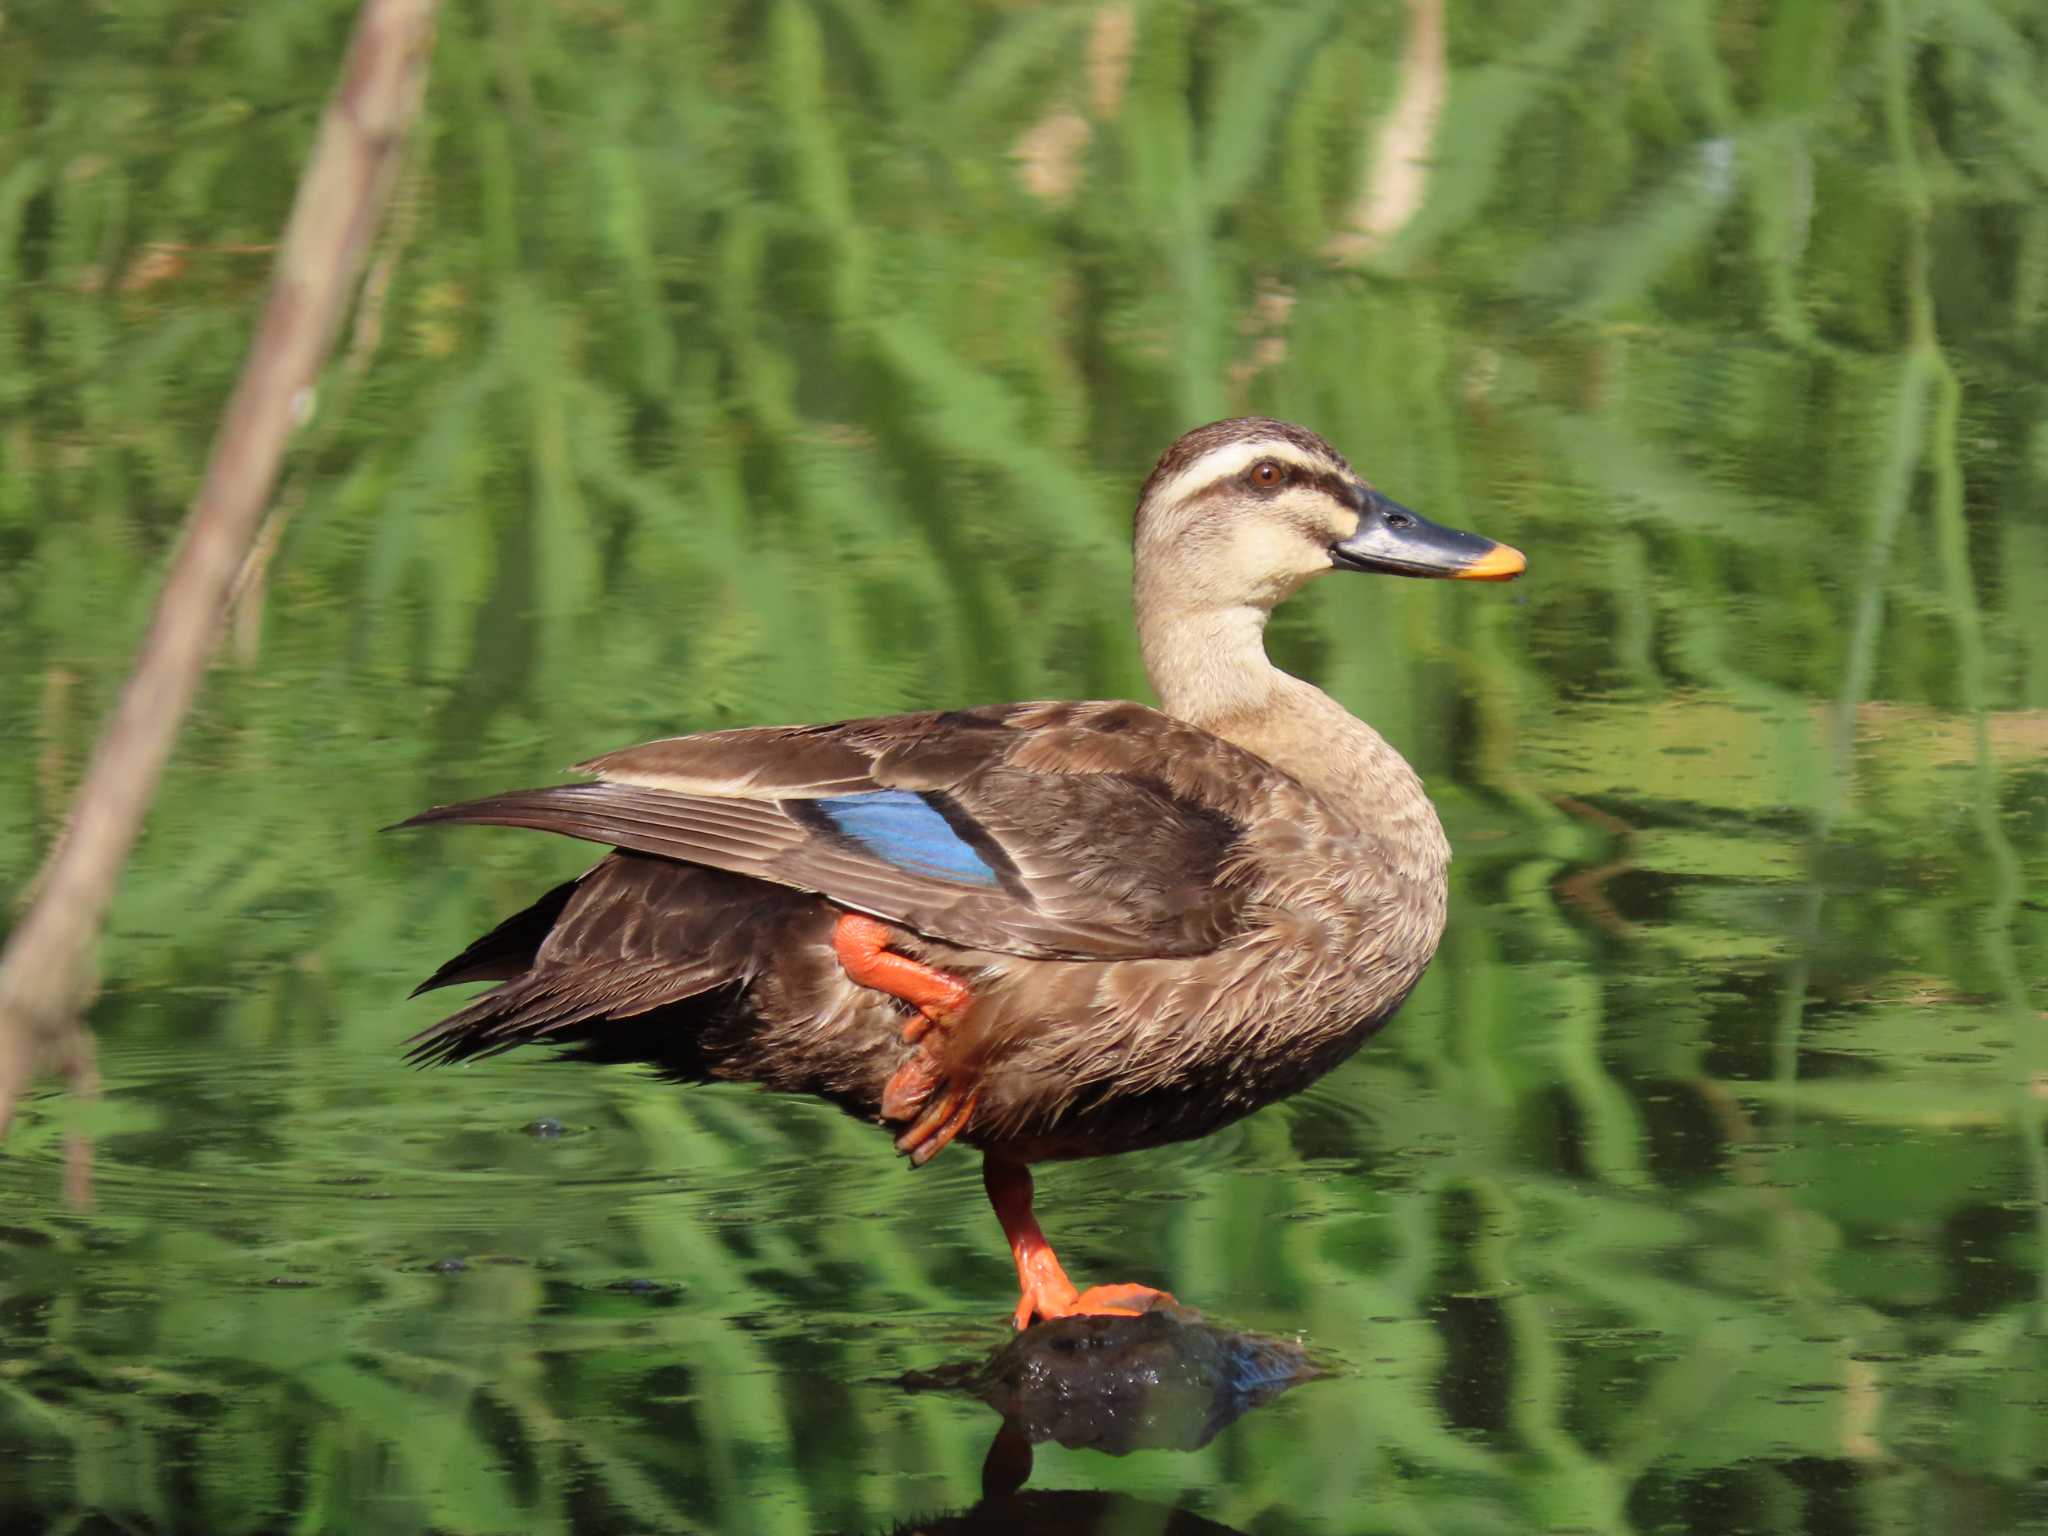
[1044,1290]
[1120,1300]
[1055,1297]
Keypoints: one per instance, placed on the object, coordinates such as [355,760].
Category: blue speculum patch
[901,828]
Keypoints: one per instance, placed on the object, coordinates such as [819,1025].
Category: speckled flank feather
[1167,919]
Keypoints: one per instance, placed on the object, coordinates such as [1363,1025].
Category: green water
[794,359]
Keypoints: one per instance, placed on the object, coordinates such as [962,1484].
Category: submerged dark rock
[1163,1380]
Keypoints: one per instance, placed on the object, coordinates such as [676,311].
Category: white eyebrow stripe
[690,784]
[1230,459]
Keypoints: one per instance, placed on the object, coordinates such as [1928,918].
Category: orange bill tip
[1503,562]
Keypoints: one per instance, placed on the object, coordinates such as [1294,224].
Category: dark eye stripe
[1340,488]
[1336,487]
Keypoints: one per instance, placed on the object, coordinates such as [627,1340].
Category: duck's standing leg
[1045,1289]
[861,943]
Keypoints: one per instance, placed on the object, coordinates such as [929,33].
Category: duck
[1047,930]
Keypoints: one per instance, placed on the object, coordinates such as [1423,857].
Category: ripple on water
[340,1157]
[314,1126]
[338,1170]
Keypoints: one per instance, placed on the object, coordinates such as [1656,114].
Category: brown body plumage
[1166,918]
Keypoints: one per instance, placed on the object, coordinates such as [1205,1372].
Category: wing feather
[1083,831]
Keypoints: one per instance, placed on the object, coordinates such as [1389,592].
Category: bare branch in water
[45,971]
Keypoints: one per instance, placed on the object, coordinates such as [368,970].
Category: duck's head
[1240,513]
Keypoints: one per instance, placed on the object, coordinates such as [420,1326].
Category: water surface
[738,363]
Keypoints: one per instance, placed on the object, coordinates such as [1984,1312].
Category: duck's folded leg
[861,943]
[1045,1290]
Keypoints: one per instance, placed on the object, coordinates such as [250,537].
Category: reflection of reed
[1586,888]
[1049,153]
[1397,178]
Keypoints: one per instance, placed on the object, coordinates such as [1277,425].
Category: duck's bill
[1398,542]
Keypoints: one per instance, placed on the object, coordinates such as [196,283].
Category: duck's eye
[1267,474]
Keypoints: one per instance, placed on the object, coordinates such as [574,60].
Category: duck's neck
[1209,665]
[1210,669]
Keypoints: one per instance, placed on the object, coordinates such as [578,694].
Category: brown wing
[1085,831]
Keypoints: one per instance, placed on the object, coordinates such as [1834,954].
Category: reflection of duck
[1116,926]
[1067,1513]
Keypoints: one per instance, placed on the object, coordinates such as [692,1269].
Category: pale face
[1242,513]
[1252,518]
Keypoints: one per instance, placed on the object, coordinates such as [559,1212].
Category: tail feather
[508,949]
[631,937]
[541,1005]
